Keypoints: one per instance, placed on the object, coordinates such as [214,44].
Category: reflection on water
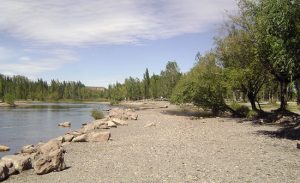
[38,122]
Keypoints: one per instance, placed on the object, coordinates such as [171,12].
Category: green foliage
[153,87]
[133,89]
[239,57]
[203,86]
[146,84]
[169,78]
[278,36]
[9,99]
[241,110]
[114,102]
[252,114]
[23,88]
[97,114]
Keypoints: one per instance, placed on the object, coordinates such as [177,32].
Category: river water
[38,122]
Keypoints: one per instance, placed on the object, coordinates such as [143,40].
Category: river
[38,122]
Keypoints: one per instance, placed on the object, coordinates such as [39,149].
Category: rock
[9,168]
[66,143]
[98,136]
[20,162]
[298,145]
[65,124]
[150,125]
[104,126]
[51,145]
[117,113]
[119,121]
[4,148]
[111,124]
[75,133]
[28,149]
[52,161]
[132,115]
[83,124]
[68,137]
[80,138]
[3,171]
[61,139]
[100,124]
[87,128]
[122,114]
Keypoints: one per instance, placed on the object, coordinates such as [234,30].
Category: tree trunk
[283,95]
[252,98]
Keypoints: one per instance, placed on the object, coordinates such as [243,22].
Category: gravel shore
[178,149]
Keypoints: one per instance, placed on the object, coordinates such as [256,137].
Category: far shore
[29,103]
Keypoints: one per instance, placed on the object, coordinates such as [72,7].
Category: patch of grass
[97,114]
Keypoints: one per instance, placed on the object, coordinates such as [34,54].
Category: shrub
[114,102]
[251,114]
[240,109]
[97,114]
[9,99]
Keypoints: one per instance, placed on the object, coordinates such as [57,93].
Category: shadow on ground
[289,131]
[189,113]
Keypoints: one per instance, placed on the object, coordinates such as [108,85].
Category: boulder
[104,126]
[75,133]
[119,121]
[47,162]
[131,115]
[9,168]
[122,114]
[65,124]
[61,139]
[87,128]
[111,124]
[80,138]
[20,162]
[101,124]
[28,149]
[98,137]
[68,137]
[3,171]
[51,145]
[4,148]
[117,113]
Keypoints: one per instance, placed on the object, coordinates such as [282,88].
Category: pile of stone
[43,158]
[48,157]
[123,114]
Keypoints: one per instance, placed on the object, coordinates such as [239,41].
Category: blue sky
[103,41]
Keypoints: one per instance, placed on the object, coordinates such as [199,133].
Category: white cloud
[82,22]
[15,62]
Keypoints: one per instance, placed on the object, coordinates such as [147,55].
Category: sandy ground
[178,149]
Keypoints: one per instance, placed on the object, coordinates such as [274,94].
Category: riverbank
[30,103]
[177,148]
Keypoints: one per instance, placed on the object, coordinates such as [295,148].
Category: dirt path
[178,149]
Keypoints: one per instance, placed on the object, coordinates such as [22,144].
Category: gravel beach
[175,148]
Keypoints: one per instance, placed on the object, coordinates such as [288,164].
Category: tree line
[256,57]
[150,87]
[22,88]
